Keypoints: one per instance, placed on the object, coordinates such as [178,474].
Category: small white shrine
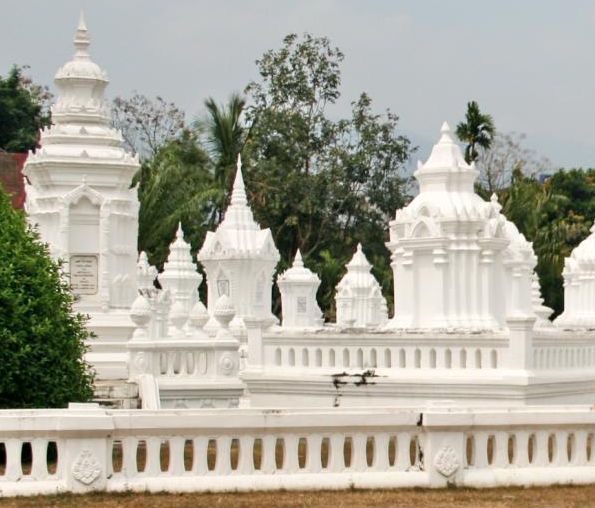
[579,287]
[78,194]
[240,259]
[359,299]
[298,287]
[180,276]
[457,262]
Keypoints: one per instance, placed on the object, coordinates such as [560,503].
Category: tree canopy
[41,338]
[477,130]
[322,185]
[24,110]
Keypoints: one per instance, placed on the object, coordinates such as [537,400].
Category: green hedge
[42,341]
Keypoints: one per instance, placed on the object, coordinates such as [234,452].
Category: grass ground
[554,497]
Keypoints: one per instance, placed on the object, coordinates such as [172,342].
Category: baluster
[39,468]
[169,359]
[480,450]
[500,451]
[183,355]
[579,450]
[521,448]
[195,363]
[176,456]
[290,459]
[153,464]
[223,461]
[561,453]
[13,459]
[129,447]
[336,458]
[199,455]
[403,461]
[540,449]
[358,457]
[313,460]
[380,462]
[246,458]
[268,464]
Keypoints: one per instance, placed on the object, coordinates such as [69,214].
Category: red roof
[11,176]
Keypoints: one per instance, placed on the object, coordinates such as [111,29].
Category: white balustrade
[87,448]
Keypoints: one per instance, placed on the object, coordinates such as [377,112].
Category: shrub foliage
[42,341]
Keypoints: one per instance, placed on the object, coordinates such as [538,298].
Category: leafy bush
[42,341]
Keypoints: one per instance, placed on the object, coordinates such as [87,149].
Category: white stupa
[359,296]
[298,287]
[180,275]
[78,193]
[239,259]
[579,287]
[457,262]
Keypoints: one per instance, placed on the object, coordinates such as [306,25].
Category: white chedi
[298,286]
[457,262]
[579,287]
[78,187]
[359,299]
[239,259]
[180,274]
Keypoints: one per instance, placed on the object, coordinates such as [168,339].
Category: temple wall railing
[86,448]
[554,350]
[383,351]
[551,349]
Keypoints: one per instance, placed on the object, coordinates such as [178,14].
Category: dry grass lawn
[555,497]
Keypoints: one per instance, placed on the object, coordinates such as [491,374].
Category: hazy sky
[529,63]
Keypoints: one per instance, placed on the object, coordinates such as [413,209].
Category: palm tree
[477,131]
[225,136]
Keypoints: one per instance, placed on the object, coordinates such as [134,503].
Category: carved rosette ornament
[446,461]
[86,469]
[226,364]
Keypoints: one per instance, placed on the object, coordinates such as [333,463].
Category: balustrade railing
[88,448]
[346,357]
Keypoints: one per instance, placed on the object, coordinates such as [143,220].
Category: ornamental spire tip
[238,194]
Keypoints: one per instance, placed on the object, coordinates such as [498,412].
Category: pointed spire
[297,262]
[445,134]
[82,25]
[238,194]
[359,260]
[180,232]
[81,39]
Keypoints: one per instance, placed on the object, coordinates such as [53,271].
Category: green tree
[556,216]
[321,185]
[176,185]
[477,130]
[42,341]
[24,110]
[226,136]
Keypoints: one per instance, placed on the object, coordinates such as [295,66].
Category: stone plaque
[83,275]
